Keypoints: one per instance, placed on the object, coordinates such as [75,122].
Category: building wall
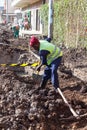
[8,6]
[34,13]
[35,22]
[8,12]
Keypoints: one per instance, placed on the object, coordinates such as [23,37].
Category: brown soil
[22,108]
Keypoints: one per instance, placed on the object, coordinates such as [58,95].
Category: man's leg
[54,73]
[46,76]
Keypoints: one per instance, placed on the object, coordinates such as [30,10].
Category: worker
[48,39]
[16,31]
[50,56]
[26,22]
[15,28]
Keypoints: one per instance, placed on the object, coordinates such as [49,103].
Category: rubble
[22,108]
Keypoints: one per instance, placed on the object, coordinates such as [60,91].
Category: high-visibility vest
[55,51]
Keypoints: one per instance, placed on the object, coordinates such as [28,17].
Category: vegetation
[70,22]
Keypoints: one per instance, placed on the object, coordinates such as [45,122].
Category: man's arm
[43,56]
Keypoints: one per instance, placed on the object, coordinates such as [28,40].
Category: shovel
[75,115]
[36,77]
[70,107]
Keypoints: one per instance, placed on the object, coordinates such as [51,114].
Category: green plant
[69,22]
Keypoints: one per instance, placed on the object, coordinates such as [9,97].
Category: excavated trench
[22,108]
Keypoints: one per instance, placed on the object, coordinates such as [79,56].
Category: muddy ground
[22,108]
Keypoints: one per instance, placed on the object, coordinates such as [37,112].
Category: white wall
[9,7]
[33,19]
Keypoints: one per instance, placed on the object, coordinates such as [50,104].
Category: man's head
[34,42]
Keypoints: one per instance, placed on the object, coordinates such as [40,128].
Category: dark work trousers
[50,72]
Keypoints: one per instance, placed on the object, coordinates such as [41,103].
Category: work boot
[83,89]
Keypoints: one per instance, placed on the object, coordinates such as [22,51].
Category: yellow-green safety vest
[55,51]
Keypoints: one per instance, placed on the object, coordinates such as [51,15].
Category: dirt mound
[5,34]
[23,108]
[76,61]
[77,57]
